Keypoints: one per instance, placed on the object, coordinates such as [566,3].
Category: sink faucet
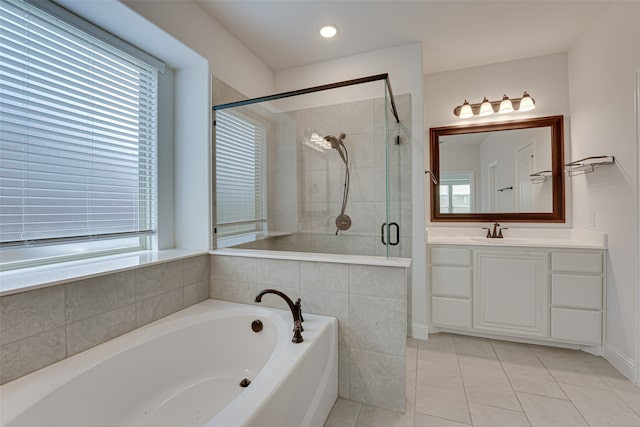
[296,311]
[497,232]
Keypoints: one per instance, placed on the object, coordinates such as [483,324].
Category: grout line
[464,387]
[415,386]
[558,384]
[509,381]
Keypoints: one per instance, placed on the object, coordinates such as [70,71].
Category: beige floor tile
[472,346]
[439,392]
[500,383]
[530,376]
[343,414]
[485,382]
[377,417]
[548,412]
[438,348]
[601,408]
[444,402]
[630,396]
[411,390]
[412,358]
[438,374]
[423,420]
[489,416]
[508,351]
[566,366]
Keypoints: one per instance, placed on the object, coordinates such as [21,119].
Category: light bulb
[505,105]
[526,103]
[328,31]
[486,108]
[465,110]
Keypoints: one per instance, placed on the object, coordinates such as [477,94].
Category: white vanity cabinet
[451,286]
[576,296]
[510,292]
[537,293]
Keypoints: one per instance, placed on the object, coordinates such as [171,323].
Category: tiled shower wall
[368,301]
[320,174]
[43,326]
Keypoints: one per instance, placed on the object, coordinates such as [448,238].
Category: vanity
[535,282]
[547,289]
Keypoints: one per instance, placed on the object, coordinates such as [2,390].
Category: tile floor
[455,381]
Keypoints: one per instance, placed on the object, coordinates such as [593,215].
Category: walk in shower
[322,170]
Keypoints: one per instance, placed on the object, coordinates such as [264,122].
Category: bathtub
[185,370]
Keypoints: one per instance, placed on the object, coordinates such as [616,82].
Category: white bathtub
[185,370]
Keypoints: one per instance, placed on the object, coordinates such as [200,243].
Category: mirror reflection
[496,171]
[508,171]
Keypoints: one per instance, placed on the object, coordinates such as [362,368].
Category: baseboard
[419,331]
[620,361]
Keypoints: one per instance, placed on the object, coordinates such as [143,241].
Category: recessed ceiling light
[328,31]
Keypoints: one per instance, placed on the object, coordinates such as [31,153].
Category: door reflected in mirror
[491,171]
[507,171]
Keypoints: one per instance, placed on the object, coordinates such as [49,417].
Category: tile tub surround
[368,301]
[43,326]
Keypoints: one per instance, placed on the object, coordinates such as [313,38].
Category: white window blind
[240,174]
[77,133]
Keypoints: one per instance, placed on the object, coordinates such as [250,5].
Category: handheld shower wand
[343,221]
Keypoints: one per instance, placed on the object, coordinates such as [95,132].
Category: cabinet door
[510,292]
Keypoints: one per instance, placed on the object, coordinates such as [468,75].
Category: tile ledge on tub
[318,257]
[27,279]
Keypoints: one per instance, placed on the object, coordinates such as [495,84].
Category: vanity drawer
[576,290]
[576,262]
[451,281]
[451,312]
[451,256]
[579,326]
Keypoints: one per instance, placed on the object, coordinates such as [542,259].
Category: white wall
[404,66]
[602,66]
[229,60]
[545,78]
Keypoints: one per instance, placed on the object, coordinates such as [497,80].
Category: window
[78,120]
[240,174]
[455,192]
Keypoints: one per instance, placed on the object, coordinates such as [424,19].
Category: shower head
[335,142]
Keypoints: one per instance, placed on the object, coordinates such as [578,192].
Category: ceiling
[454,33]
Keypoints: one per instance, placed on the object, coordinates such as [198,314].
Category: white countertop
[518,237]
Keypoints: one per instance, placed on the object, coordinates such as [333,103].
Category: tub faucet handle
[299,305]
[297,332]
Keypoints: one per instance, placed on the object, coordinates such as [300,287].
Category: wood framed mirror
[505,172]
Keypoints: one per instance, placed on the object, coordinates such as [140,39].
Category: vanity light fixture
[486,107]
[526,102]
[465,110]
[505,105]
[328,31]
